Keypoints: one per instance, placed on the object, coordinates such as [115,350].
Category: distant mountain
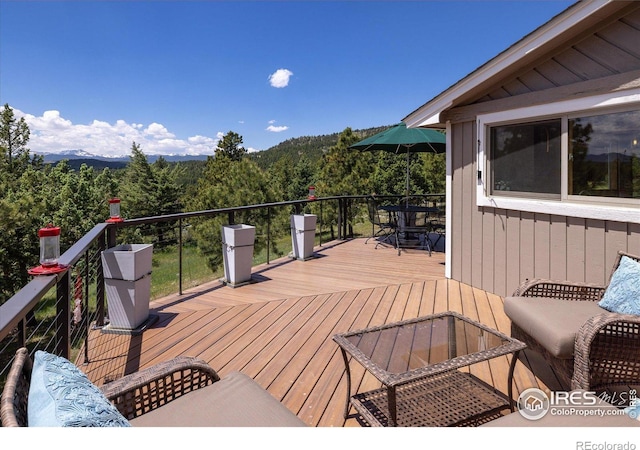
[311,147]
[81,154]
[609,157]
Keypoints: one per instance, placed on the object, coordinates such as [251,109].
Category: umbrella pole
[407,184]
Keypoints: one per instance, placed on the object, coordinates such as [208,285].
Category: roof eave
[429,114]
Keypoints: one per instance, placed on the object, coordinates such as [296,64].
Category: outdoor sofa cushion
[234,401]
[554,323]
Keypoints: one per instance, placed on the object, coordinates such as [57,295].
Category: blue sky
[176,76]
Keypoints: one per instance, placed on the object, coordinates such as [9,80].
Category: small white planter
[303,235]
[237,252]
[127,262]
[128,302]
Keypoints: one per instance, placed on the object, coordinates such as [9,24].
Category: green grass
[165,273]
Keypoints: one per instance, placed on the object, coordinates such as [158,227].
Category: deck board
[278,328]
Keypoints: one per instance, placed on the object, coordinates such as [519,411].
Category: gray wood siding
[496,249]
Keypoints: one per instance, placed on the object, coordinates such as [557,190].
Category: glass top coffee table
[417,361]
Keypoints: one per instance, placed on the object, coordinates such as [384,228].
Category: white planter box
[303,235]
[238,235]
[128,302]
[127,262]
[237,252]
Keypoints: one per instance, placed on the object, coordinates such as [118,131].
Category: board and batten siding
[496,249]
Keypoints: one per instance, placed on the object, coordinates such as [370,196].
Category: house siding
[497,249]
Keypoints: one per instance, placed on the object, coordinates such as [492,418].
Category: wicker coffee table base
[448,399]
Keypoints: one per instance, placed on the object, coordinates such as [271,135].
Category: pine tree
[14,136]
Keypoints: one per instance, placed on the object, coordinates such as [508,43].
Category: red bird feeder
[49,252]
[312,192]
[114,210]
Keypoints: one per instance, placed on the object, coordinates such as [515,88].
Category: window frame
[601,208]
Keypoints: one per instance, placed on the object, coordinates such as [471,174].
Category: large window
[604,155]
[525,159]
[575,158]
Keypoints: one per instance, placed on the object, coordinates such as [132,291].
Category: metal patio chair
[383,223]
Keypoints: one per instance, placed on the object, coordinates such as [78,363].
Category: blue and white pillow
[61,395]
[623,293]
[633,411]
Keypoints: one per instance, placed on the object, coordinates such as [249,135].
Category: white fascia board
[429,113]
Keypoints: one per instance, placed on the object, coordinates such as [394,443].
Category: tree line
[34,194]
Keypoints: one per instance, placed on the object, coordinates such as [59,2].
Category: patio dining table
[408,231]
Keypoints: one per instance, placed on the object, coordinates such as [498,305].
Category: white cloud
[158,131]
[275,129]
[51,133]
[280,78]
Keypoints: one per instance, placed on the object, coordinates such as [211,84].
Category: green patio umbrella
[400,139]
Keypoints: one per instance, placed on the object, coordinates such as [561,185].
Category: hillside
[312,147]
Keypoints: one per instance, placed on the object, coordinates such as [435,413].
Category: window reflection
[525,158]
[604,155]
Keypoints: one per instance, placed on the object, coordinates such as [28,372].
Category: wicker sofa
[588,346]
[182,392]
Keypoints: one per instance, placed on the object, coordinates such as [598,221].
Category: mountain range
[311,147]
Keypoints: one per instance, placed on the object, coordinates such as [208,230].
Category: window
[604,155]
[575,158]
[525,158]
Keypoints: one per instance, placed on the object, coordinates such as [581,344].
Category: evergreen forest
[34,193]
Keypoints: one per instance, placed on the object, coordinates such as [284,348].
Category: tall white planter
[237,252]
[303,235]
[127,278]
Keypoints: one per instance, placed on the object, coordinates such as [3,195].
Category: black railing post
[339,221]
[100,296]
[63,317]
[232,219]
[22,333]
[111,237]
[320,222]
[268,235]
[180,256]
[84,321]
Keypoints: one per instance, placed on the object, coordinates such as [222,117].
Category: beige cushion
[234,401]
[551,322]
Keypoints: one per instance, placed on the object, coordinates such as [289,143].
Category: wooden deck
[278,329]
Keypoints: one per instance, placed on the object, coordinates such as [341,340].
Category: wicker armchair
[133,395]
[605,355]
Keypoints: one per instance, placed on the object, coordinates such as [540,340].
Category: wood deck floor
[278,329]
